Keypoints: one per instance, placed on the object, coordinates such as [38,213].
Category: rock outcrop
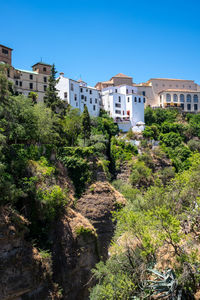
[97,205]
[23,272]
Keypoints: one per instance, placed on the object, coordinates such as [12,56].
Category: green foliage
[171,139]
[194,145]
[51,201]
[51,98]
[85,124]
[84,231]
[151,132]
[71,125]
[77,161]
[141,175]
[159,115]
[122,150]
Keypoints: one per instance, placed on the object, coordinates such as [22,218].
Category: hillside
[87,214]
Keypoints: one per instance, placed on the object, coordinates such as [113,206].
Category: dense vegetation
[33,139]
[159,227]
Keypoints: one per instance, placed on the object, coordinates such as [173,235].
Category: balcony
[122,120]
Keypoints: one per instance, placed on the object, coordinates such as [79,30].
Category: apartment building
[161,92]
[78,94]
[164,92]
[26,81]
[125,106]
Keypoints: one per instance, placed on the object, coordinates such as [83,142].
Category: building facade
[25,81]
[164,92]
[78,94]
[125,106]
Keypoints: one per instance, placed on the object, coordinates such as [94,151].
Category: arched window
[188,98]
[182,98]
[175,98]
[195,98]
[168,98]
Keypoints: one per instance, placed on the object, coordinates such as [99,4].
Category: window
[45,79]
[75,97]
[195,106]
[188,106]
[96,101]
[135,99]
[76,104]
[65,95]
[139,100]
[115,90]
[90,92]
[144,100]
[188,98]
[132,91]
[128,99]
[44,69]
[90,100]
[31,76]
[175,98]
[195,98]
[190,86]
[20,83]
[118,105]
[8,72]
[94,107]
[143,93]
[5,51]
[127,91]
[31,86]
[119,99]
[85,98]
[182,106]
[72,87]
[168,98]
[177,85]
[82,97]
[81,89]
[45,88]
[163,85]
[118,112]
[182,98]
[86,90]
[16,82]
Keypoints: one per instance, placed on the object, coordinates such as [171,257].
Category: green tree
[71,125]
[51,98]
[33,96]
[85,124]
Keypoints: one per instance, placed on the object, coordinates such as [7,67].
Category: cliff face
[22,270]
[80,236]
[75,253]
[97,205]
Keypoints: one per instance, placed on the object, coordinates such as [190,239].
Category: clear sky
[98,39]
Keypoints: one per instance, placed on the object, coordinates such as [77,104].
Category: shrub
[171,139]
[141,175]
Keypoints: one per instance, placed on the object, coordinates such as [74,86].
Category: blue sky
[98,39]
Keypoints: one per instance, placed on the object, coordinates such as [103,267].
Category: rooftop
[31,72]
[41,63]
[121,75]
[169,79]
[6,47]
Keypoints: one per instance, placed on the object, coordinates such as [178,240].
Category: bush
[121,150]
[194,145]
[171,139]
[141,175]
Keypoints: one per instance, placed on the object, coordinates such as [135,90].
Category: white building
[125,106]
[164,92]
[78,94]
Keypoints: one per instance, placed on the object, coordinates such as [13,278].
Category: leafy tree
[71,126]
[85,124]
[51,98]
[171,139]
[33,96]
